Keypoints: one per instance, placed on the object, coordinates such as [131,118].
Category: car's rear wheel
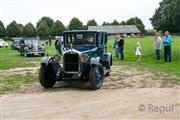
[96,76]
[47,77]
[42,54]
[26,55]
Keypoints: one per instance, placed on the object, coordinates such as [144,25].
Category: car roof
[83,31]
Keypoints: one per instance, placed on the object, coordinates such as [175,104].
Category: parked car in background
[3,43]
[85,58]
[15,43]
[31,46]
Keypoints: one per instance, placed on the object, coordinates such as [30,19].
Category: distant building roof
[120,29]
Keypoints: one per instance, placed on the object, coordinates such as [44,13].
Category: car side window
[100,39]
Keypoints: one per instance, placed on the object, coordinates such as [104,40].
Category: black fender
[45,61]
[57,68]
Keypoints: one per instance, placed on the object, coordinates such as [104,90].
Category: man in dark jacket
[58,45]
[121,47]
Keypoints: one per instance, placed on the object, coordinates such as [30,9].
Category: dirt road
[102,104]
[126,94]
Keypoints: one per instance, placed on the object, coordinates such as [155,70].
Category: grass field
[148,55]
[10,59]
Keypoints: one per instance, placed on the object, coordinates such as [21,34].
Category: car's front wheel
[96,76]
[47,77]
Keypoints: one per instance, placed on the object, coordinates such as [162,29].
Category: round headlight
[84,58]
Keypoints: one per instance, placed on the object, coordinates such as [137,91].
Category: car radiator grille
[71,62]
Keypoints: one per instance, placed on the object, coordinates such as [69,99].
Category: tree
[2,30]
[92,23]
[115,22]
[106,24]
[75,24]
[123,23]
[57,28]
[49,21]
[13,29]
[43,29]
[29,30]
[167,16]
[138,22]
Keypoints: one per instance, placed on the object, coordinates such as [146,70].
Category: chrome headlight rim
[84,58]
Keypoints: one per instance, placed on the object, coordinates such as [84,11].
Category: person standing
[157,46]
[58,45]
[138,51]
[167,41]
[50,40]
[121,47]
[115,47]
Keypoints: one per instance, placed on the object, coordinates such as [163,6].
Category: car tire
[109,67]
[42,54]
[47,78]
[108,73]
[26,55]
[96,76]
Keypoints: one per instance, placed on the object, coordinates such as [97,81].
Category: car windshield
[79,38]
[30,41]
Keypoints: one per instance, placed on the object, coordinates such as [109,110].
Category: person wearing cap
[58,44]
[167,41]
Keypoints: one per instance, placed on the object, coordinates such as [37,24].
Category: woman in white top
[138,51]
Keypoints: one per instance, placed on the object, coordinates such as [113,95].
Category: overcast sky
[24,11]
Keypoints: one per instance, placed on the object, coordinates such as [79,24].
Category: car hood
[81,49]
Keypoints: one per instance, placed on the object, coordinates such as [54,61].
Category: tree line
[167,16]
[46,26]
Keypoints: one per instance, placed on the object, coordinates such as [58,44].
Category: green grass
[10,58]
[148,55]
[13,83]
[169,71]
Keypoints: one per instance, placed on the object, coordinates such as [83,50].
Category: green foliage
[57,28]
[123,23]
[29,30]
[43,29]
[75,24]
[138,22]
[115,22]
[92,23]
[106,24]
[14,29]
[49,24]
[167,16]
[2,30]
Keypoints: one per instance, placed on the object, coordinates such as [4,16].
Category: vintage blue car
[85,58]
[16,42]
[31,46]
